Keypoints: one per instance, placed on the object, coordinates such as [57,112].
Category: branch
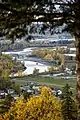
[55,14]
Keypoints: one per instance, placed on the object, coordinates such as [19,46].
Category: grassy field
[57,82]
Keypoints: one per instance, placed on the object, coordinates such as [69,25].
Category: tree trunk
[78,75]
[77,38]
[78,70]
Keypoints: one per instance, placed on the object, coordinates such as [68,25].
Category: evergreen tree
[7,102]
[69,107]
[26,95]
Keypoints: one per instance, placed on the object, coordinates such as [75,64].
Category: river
[29,64]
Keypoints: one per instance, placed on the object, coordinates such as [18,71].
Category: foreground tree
[44,107]
[69,107]
[1,118]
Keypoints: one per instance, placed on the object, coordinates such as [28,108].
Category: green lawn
[57,82]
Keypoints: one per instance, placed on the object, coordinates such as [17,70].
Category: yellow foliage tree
[43,107]
[1,118]
[19,72]
[17,111]
[48,57]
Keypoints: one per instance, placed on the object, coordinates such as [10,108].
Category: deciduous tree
[43,107]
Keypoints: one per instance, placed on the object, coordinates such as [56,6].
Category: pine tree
[69,107]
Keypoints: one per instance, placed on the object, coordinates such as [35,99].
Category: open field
[56,82]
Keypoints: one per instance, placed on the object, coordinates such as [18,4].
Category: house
[10,91]
[2,94]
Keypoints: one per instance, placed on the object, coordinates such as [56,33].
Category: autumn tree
[43,107]
[1,118]
[8,66]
